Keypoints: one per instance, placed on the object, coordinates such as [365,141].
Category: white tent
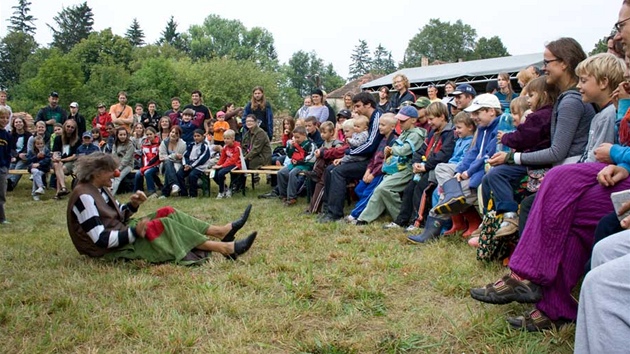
[472,72]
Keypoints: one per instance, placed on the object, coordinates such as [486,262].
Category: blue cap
[406,113]
[464,88]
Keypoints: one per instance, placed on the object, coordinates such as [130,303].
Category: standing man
[432,91]
[122,114]
[200,109]
[174,113]
[74,114]
[337,177]
[3,104]
[52,113]
[151,118]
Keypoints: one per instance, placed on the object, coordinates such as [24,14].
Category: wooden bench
[18,172]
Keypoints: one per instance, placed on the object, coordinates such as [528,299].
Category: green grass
[303,288]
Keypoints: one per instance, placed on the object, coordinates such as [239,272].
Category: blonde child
[360,125]
[230,160]
[519,108]
[5,160]
[219,127]
[123,150]
[39,160]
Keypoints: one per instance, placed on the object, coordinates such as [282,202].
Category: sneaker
[36,198]
[411,228]
[40,191]
[162,197]
[175,189]
[351,219]
[227,194]
[220,195]
[473,242]
[509,225]
[270,195]
[153,196]
[391,225]
[4,222]
[290,202]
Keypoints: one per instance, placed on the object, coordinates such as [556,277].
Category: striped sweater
[97,222]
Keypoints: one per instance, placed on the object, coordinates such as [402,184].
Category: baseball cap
[54,94]
[464,88]
[74,105]
[345,113]
[220,114]
[87,135]
[406,113]
[100,104]
[485,100]
[422,102]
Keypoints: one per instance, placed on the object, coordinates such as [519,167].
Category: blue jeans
[288,182]
[193,179]
[18,165]
[170,177]
[219,177]
[499,183]
[149,175]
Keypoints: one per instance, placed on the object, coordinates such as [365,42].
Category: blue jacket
[5,148]
[200,159]
[474,160]
[461,147]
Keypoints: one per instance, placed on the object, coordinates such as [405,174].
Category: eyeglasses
[619,25]
[547,62]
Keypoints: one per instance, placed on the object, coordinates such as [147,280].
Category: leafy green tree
[361,61]
[222,38]
[106,80]
[21,21]
[156,80]
[490,48]
[602,45]
[102,48]
[383,63]
[74,23]
[135,34]
[15,49]
[441,41]
[301,75]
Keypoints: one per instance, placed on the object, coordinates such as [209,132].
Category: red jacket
[231,156]
[150,154]
[102,119]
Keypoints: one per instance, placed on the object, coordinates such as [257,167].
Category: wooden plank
[18,172]
[262,172]
[271,167]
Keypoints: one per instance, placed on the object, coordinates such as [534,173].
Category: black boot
[237,225]
[454,201]
[431,230]
[242,246]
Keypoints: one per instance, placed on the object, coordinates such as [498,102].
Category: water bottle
[417,176]
[506,125]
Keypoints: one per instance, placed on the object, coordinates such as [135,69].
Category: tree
[383,63]
[602,45]
[21,21]
[441,41]
[102,48]
[135,34]
[361,60]
[15,49]
[74,23]
[171,37]
[490,48]
[302,72]
[221,38]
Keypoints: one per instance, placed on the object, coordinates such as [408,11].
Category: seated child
[359,136]
[331,149]
[301,152]
[460,189]
[219,127]
[108,145]
[230,160]
[195,161]
[123,150]
[190,122]
[313,134]
[40,161]
[519,108]
[150,163]
[87,147]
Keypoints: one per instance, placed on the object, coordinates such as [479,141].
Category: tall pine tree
[21,21]
[170,34]
[383,63]
[360,60]
[135,34]
[74,23]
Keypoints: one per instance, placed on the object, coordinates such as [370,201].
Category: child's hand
[387,151]
[336,162]
[294,161]
[179,156]
[499,135]
[40,155]
[141,227]
[498,159]
[186,168]
[35,165]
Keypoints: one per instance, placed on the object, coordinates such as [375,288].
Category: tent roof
[474,71]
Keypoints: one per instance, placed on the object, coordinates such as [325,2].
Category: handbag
[394,163]
[534,178]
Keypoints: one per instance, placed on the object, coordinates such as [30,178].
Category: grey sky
[333,28]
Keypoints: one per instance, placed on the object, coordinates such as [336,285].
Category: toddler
[39,160]
[219,127]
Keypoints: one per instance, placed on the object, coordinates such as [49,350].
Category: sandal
[535,321]
[63,191]
[506,290]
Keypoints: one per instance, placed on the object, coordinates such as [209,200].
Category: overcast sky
[333,28]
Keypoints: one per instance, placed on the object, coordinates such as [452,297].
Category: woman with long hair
[64,154]
[259,107]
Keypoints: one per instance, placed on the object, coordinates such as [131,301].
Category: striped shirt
[88,217]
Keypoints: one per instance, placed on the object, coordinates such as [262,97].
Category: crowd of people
[525,177]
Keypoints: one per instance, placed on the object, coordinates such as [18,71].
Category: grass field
[303,288]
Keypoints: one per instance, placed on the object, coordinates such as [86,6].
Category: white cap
[74,105]
[486,100]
